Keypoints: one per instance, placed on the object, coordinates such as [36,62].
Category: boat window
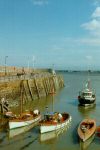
[86,94]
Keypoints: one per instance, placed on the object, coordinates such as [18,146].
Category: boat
[85,145]
[25,118]
[53,121]
[86,129]
[53,134]
[17,131]
[98,131]
[87,96]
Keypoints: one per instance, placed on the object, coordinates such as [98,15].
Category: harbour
[49,74]
[65,100]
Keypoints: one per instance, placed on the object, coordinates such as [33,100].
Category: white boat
[24,118]
[51,122]
[53,134]
[21,130]
[87,96]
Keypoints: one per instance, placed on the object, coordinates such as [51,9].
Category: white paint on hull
[48,128]
[18,124]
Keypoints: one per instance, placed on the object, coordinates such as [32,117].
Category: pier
[36,85]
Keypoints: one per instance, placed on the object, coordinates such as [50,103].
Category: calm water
[64,101]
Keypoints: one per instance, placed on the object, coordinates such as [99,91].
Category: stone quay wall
[35,85]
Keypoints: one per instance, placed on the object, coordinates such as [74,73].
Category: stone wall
[32,88]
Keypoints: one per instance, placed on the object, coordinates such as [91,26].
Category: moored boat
[25,119]
[54,121]
[87,96]
[53,134]
[86,129]
[98,131]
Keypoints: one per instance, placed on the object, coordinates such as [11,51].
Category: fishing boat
[86,129]
[87,96]
[53,134]
[25,118]
[53,121]
[17,131]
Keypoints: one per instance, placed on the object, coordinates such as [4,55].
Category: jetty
[36,83]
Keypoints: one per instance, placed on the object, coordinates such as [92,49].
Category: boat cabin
[86,93]
[53,116]
[49,116]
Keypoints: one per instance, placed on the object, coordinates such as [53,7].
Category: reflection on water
[84,111]
[45,137]
[3,123]
[2,136]
[14,132]
[85,145]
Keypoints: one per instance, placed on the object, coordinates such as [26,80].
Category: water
[64,101]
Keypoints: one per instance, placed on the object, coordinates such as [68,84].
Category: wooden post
[44,84]
[25,92]
[37,88]
[21,98]
[29,90]
[2,110]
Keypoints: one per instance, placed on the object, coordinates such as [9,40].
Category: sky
[64,34]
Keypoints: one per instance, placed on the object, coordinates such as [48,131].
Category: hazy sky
[65,33]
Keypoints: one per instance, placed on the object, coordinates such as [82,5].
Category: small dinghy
[86,129]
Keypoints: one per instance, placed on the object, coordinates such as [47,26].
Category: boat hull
[84,136]
[86,101]
[48,128]
[16,123]
[84,145]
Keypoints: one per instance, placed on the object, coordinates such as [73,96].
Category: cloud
[89,57]
[96,13]
[93,26]
[88,41]
[39,2]
[91,41]
[96,2]
[78,42]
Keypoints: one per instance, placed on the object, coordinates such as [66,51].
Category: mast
[53,100]
[21,98]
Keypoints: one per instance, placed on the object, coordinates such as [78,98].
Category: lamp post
[28,67]
[5,64]
[33,59]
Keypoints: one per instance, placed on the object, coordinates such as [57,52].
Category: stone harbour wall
[34,86]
